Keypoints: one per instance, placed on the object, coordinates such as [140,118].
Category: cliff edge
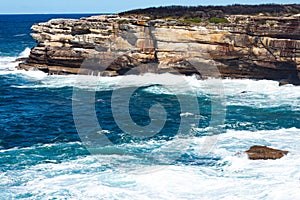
[240,46]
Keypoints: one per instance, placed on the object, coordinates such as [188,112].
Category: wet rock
[22,59]
[284,82]
[264,153]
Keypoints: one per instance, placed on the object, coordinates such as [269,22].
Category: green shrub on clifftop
[217,20]
[123,21]
[196,20]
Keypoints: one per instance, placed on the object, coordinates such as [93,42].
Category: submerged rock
[264,153]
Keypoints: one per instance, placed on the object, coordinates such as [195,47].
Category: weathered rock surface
[264,153]
[112,45]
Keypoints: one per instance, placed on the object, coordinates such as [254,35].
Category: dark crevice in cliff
[80,32]
[154,41]
[268,49]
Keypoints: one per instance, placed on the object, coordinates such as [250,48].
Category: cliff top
[216,11]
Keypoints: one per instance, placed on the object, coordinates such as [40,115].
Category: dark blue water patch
[35,115]
[139,106]
[195,160]
[253,118]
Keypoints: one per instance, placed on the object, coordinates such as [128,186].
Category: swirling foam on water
[233,176]
[7,63]
[237,92]
[8,66]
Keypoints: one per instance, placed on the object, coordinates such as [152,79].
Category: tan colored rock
[245,49]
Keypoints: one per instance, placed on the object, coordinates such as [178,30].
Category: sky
[109,6]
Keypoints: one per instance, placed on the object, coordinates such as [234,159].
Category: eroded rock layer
[247,47]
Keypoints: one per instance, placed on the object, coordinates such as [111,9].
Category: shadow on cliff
[278,71]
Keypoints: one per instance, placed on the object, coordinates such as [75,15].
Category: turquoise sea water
[50,148]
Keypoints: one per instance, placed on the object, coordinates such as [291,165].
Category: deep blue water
[37,125]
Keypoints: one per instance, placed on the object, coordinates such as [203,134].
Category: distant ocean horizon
[44,156]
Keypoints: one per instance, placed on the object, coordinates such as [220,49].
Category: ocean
[140,137]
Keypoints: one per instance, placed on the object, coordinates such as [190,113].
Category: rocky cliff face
[247,47]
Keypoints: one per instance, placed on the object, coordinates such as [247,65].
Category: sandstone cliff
[258,47]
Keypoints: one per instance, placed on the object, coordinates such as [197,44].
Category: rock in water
[264,153]
[283,82]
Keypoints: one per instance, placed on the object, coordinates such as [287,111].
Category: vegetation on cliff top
[207,12]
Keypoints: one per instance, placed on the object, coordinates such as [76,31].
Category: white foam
[31,74]
[8,64]
[235,177]
[238,92]
[157,83]
[36,74]
[260,93]
[251,93]
[186,114]
[19,35]
[25,53]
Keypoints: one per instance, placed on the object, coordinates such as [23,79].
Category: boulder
[264,153]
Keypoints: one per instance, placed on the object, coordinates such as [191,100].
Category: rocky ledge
[256,47]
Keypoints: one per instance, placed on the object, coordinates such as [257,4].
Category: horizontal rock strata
[255,47]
